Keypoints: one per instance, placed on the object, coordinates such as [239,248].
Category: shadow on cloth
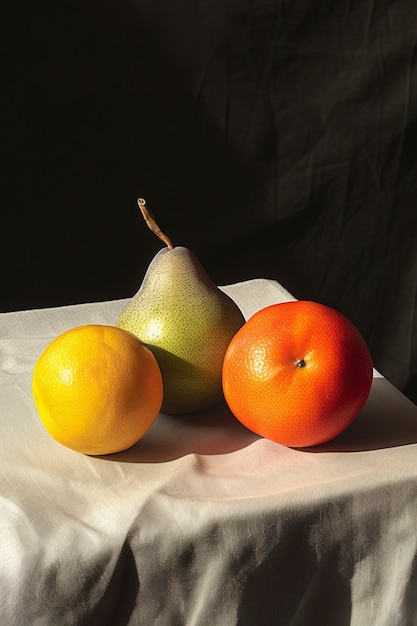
[387,420]
[171,437]
[315,592]
[119,599]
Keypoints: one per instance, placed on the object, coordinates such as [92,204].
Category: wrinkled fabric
[202,522]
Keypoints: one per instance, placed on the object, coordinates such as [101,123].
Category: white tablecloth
[202,523]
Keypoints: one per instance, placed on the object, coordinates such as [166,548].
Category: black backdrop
[275,139]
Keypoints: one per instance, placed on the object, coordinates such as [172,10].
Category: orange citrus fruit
[97,389]
[297,373]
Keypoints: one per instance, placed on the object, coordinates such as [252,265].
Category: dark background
[275,139]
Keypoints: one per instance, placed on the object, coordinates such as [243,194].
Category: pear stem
[150,222]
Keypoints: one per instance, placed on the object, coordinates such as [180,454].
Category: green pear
[186,321]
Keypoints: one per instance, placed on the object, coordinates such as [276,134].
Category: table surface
[202,523]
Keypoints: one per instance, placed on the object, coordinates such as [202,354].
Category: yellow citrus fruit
[97,389]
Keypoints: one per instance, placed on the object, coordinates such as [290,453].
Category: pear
[186,321]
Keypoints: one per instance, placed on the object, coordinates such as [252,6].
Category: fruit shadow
[388,420]
[215,431]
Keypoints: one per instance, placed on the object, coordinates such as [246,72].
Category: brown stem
[150,222]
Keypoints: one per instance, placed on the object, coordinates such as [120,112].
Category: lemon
[97,389]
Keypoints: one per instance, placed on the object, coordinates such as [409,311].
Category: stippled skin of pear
[187,322]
